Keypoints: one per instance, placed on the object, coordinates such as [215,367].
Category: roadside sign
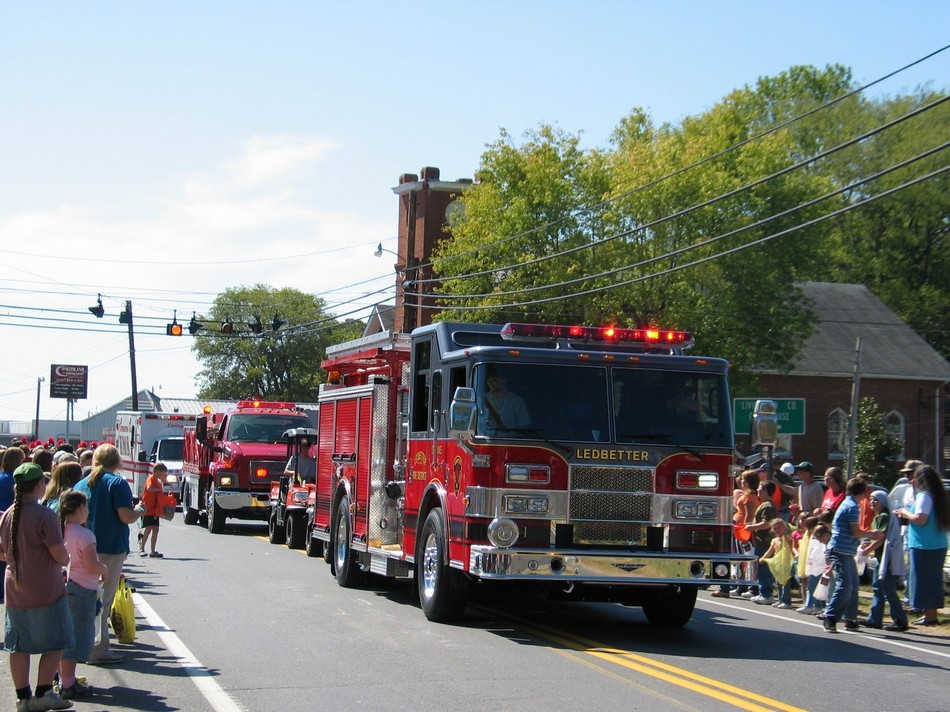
[68,381]
[791,414]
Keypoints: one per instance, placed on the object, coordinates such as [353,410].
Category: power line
[703,161]
[703,243]
[677,268]
[697,206]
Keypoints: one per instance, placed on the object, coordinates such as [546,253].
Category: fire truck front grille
[610,505]
[611,479]
[274,469]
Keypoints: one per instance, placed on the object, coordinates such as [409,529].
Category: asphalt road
[231,622]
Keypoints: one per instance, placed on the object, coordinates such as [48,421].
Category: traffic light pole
[126,318]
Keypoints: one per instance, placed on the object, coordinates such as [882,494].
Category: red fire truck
[594,462]
[231,457]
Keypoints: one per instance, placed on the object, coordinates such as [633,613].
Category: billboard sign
[68,381]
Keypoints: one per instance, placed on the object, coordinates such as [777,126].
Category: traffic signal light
[256,326]
[98,310]
[194,325]
[277,323]
[227,327]
[173,329]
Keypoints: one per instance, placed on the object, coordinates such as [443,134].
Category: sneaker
[110,658]
[925,622]
[143,553]
[896,628]
[747,595]
[851,626]
[762,600]
[75,691]
[869,624]
[829,625]
[783,606]
[49,701]
[156,555]
[807,610]
[721,594]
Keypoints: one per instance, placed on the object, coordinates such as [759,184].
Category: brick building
[902,372]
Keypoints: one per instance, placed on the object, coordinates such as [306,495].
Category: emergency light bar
[266,404]
[598,334]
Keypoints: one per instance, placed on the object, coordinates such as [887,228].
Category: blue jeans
[885,589]
[843,605]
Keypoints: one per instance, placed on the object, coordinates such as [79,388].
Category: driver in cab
[503,409]
[303,464]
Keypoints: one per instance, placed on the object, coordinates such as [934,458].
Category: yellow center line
[743,699]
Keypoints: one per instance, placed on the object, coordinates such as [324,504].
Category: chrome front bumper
[609,567]
[233,501]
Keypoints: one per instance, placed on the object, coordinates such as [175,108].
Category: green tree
[875,448]
[276,364]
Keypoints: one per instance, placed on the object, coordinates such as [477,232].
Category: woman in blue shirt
[929,522]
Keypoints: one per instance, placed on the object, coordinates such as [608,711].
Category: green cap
[27,472]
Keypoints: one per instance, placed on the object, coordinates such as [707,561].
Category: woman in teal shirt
[929,522]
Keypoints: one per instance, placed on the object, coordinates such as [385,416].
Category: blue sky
[162,152]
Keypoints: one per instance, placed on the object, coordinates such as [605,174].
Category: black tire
[443,592]
[345,563]
[296,529]
[216,516]
[314,545]
[672,609]
[189,515]
[276,534]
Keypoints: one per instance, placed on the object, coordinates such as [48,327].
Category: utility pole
[855,399]
[126,318]
[36,426]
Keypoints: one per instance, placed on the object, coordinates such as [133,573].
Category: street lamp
[380,250]
[36,427]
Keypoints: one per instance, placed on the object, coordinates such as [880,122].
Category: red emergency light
[596,334]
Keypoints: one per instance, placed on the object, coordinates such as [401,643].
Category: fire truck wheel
[276,534]
[443,593]
[345,563]
[216,516]
[296,528]
[672,609]
[314,545]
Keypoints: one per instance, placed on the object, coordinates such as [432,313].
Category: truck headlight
[226,480]
[695,509]
[525,504]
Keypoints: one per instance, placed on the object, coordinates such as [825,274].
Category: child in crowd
[37,613]
[779,558]
[815,566]
[153,500]
[82,588]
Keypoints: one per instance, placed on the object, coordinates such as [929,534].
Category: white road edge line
[845,636]
[219,700]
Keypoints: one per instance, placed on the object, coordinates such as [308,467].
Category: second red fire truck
[593,462]
[231,457]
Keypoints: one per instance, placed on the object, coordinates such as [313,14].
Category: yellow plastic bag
[780,563]
[122,615]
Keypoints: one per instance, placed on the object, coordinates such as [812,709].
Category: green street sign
[791,414]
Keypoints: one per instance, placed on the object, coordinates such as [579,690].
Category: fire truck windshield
[570,403]
[263,428]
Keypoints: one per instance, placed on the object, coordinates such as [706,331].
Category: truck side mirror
[142,456]
[201,429]
[764,424]
[462,414]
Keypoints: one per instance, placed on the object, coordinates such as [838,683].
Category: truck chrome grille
[274,468]
[610,505]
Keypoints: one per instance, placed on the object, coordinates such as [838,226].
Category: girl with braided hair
[37,613]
